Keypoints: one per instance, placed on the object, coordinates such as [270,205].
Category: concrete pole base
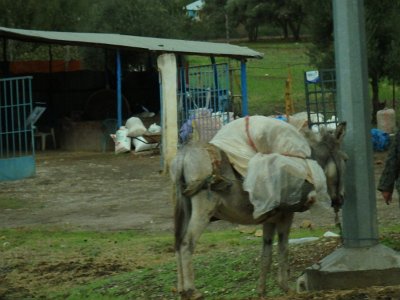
[348,268]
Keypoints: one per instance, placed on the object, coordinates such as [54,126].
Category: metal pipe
[243,80]
[119,93]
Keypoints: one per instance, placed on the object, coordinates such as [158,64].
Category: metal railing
[320,90]
[204,100]
[16,128]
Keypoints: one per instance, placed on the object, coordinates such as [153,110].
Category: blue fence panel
[16,132]
[320,90]
[204,100]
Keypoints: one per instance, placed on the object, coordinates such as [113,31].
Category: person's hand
[387,196]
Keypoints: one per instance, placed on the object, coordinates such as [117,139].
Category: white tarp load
[273,158]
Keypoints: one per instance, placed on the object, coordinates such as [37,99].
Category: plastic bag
[380,139]
[154,128]
[275,179]
[141,144]
[135,127]
[122,141]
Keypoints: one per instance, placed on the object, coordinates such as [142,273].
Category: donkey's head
[326,151]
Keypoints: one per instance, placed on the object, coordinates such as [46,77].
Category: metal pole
[359,212]
[243,79]
[119,93]
[362,261]
[216,94]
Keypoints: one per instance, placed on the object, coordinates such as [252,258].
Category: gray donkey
[208,188]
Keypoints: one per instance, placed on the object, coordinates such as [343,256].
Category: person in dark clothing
[390,176]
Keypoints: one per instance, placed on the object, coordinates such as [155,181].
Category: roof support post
[168,68]
[362,261]
[216,84]
[119,90]
[243,80]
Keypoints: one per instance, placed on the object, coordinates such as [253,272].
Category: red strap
[250,141]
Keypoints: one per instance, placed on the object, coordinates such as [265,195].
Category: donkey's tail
[183,204]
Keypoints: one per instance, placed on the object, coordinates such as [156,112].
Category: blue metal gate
[320,88]
[16,128]
[203,101]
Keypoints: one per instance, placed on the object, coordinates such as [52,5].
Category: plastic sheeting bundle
[274,159]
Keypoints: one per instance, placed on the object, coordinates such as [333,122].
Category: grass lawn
[266,77]
[59,264]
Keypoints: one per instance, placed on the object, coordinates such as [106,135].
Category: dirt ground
[91,191]
[97,191]
[108,192]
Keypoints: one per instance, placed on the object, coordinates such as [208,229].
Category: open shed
[174,84]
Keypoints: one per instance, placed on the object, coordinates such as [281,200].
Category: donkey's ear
[340,131]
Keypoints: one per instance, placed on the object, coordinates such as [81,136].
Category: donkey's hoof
[191,295]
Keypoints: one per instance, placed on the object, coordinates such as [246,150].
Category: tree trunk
[252,33]
[295,29]
[285,30]
[376,105]
[227,28]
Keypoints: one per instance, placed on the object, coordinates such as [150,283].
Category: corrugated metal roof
[136,43]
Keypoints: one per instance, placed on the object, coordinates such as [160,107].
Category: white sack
[135,127]
[154,128]
[268,135]
[122,141]
[314,117]
[279,179]
[276,168]
[141,144]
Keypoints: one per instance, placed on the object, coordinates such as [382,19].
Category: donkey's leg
[283,229]
[203,206]
[266,255]
[181,217]
[179,269]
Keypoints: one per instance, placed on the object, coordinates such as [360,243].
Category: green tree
[215,20]
[320,24]
[383,41]
[289,15]
[64,15]
[156,18]
[383,45]
[248,13]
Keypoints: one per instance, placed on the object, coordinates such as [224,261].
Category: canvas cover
[273,157]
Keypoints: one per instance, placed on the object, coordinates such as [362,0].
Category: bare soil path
[90,191]
[104,191]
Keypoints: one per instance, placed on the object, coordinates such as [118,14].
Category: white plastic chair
[43,138]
